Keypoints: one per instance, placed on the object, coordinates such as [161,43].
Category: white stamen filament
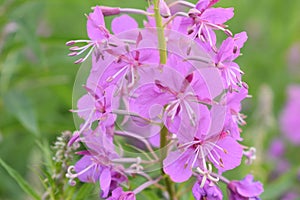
[87,122]
[209,37]
[131,84]
[217,146]
[111,78]
[188,144]
[190,112]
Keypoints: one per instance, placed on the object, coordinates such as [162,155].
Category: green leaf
[21,182]
[28,25]
[8,68]
[84,191]
[20,106]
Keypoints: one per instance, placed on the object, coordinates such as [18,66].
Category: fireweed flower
[289,119]
[97,33]
[97,163]
[227,53]
[244,189]
[183,97]
[118,193]
[225,154]
[209,191]
[203,20]
[168,93]
[233,108]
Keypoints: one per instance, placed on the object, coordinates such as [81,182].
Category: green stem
[160,34]
[164,151]
[162,45]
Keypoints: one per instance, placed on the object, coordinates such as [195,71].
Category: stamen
[214,159]
[111,78]
[209,37]
[191,113]
[217,146]
[189,144]
[203,158]
[196,156]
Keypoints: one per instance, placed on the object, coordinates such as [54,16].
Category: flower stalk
[162,45]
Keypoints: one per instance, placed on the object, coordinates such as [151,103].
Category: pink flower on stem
[209,191]
[203,20]
[245,189]
[223,60]
[289,119]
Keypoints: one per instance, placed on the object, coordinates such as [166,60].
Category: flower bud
[108,11]
[164,9]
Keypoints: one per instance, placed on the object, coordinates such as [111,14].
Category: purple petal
[96,25]
[225,50]
[92,175]
[105,180]
[210,191]
[218,15]
[178,165]
[240,39]
[231,156]
[248,188]
[123,23]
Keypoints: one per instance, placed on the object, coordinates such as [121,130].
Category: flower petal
[123,23]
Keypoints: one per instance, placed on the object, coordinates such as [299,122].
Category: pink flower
[227,53]
[245,189]
[289,119]
[209,191]
[204,19]
[119,194]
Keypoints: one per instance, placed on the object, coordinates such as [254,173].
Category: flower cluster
[170,93]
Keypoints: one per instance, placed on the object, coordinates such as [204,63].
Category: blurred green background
[37,76]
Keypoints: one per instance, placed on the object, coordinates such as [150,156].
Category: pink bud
[107,11]
[164,9]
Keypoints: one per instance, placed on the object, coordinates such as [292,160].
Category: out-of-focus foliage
[37,76]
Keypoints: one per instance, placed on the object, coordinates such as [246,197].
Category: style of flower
[245,189]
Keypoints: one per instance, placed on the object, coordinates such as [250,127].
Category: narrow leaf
[20,106]
[21,182]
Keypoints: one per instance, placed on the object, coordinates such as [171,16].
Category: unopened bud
[164,9]
[108,11]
